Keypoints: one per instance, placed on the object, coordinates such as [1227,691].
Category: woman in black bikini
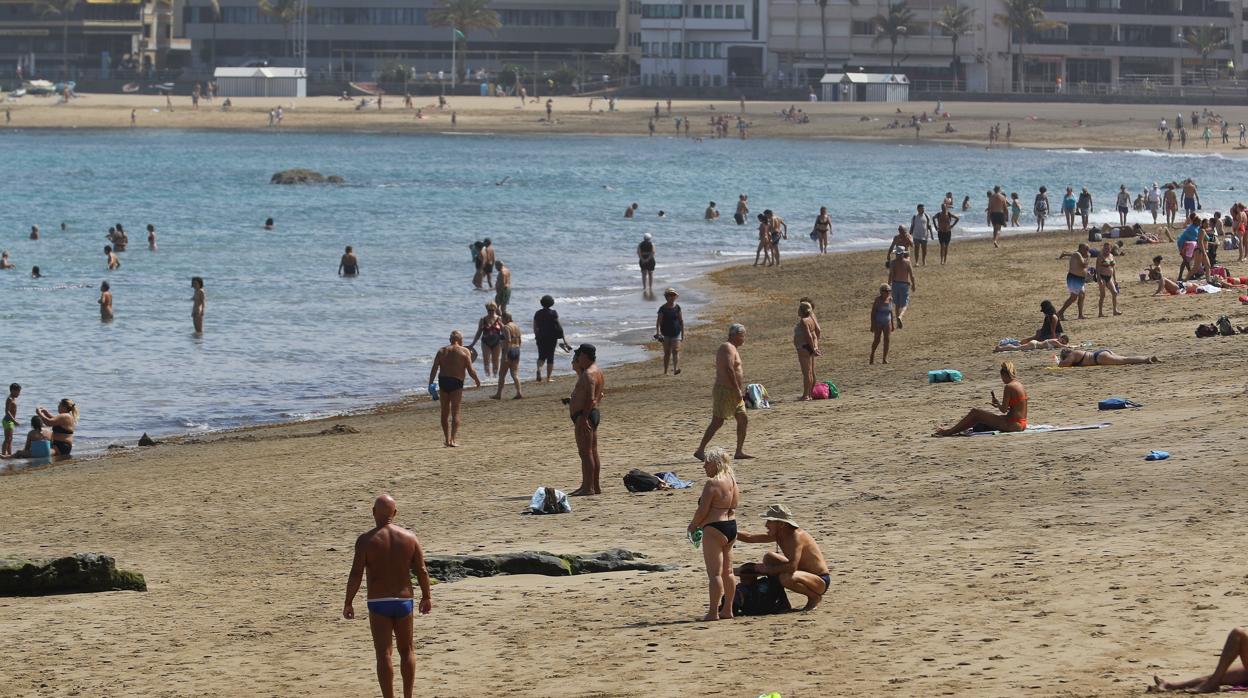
[63,425]
[1100,357]
[717,517]
[490,332]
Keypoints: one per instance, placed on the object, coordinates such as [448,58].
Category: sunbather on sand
[1013,405]
[1185,288]
[1034,344]
[1236,647]
[1100,357]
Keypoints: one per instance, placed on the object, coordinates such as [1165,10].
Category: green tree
[1024,19]
[464,16]
[62,9]
[894,26]
[285,11]
[956,21]
[215,7]
[1204,41]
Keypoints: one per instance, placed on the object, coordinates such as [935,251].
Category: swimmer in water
[349,265]
[151,237]
[198,301]
[268,224]
[630,211]
[34,232]
[712,213]
[35,274]
[4,260]
[106,303]
[113,262]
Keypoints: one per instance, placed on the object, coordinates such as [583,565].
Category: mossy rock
[452,568]
[75,574]
[299,175]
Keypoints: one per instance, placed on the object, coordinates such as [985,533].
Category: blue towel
[673,481]
[1157,455]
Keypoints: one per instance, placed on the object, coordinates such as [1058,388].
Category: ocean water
[287,339]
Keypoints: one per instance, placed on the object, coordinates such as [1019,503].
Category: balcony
[696,24]
[1190,8]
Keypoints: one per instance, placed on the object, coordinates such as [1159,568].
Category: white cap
[647,236]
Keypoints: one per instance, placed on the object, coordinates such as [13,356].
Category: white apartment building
[702,43]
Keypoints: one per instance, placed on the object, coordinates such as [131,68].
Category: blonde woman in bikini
[1011,412]
[1105,274]
[717,518]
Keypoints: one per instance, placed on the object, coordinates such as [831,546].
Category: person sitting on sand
[716,517]
[1100,357]
[1013,405]
[1236,647]
[799,566]
[1051,327]
[1032,344]
[38,441]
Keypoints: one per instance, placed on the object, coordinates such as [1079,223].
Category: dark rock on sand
[452,568]
[76,574]
[339,429]
[302,176]
[146,440]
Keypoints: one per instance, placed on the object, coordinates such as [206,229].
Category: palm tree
[957,21]
[1204,41]
[62,9]
[284,11]
[894,26]
[1024,19]
[215,6]
[463,16]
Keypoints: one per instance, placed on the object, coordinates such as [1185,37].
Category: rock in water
[146,440]
[76,574]
[302,176]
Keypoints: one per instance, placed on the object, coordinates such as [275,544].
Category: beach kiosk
[261,82]
[865,87]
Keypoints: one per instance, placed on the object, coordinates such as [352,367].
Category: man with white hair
[728,395]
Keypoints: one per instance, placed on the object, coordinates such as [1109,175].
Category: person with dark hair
[511,357]
[1051,327]
[111,259]
[198,301]
[502,291]
[486,260]
[669,329]
[9,420]
[268,223]
[547,334]
[349,265]
[583,409]
[38,441]
[106,303]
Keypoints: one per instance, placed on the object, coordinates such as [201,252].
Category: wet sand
[1043,125]
[1041,564]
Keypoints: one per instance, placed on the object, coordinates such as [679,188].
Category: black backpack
[762,598]
[641,481]
[1224,326]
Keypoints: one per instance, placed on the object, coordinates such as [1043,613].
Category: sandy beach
[1042,125]
[1057,564]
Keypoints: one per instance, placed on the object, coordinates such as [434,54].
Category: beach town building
[703,43]
[95,39]
[359,38]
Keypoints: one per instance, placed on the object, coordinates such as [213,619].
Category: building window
[862,29]
[740,11]
[634,7]
[660,11]
[697,11]
[719,12]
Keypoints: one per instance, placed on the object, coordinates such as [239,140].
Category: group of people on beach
[51,436]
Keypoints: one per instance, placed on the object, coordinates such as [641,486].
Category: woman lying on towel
[1184,288]
[1100,357]
[1013,405]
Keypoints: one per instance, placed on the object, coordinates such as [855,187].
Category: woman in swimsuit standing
[1107,278]
[717,518]
[490,332]
[511,362]
[63,424]
[823,226]
[806,341]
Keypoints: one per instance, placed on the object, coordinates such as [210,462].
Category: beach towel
[673,481]
[1116,403]
[1041,429]
[548,500]
[944,375]
[756,396]
[1157,455]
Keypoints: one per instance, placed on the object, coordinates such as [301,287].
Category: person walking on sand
[1154,202]
[502,290]
[669,329]
[920,231]
[646,260]
[490,332]
[728,395]
[901,241]
[349,265]
[1123,204]
[1191,198]
[901,278]
[511,357]
[1106,278]
[822,229]
[716,517]
[1076,278]
[882,321]
[799,565]
[106,303]
[450,365]
[806,341]
[547,335]
[1068,208]
[1084,206]
[198,302]
[583,409]
[389,555]
[945,221]
[764,241]
[998,204]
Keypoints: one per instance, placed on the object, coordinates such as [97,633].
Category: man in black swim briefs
[450,366]
[583,409]
[799,566]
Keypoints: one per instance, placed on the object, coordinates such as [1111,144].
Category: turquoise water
[287,339]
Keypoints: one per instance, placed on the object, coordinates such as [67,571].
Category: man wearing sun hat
[669,328]
[799,566]
[901,277]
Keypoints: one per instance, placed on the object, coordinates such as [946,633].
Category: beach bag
[1224,326]
[762,598]
[1116,403]
[548,500]
[819,391]
[833,393]
[641,481]
[756,396]
[1206,330]
[944,375]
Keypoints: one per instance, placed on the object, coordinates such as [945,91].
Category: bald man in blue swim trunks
[389,554]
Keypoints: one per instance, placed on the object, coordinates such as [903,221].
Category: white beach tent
[865,87]
[261,82]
